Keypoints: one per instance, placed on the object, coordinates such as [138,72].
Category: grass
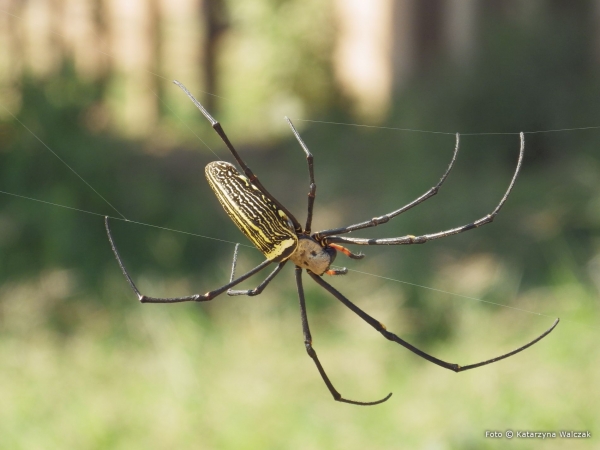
[235,375]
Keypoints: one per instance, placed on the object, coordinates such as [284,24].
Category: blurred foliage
[75,336]
[272,64]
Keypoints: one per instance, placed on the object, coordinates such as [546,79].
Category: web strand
[63,161]
[416,130]
[469,298]
[121,218]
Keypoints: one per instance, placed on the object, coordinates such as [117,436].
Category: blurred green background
[84,365]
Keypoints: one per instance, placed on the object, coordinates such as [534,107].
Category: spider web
[122,217]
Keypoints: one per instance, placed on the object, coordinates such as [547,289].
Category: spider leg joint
[380,220]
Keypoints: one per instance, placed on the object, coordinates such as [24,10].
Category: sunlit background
[87,104]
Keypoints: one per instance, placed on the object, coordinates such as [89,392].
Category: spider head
[311,255]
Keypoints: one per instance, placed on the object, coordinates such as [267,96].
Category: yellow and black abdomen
[254,214]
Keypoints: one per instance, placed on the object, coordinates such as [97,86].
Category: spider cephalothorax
[281,238]
[311,255]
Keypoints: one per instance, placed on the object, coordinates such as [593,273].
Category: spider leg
[386,217]
[410,239]
[190,298]
[247,171]
[392,337]
[347,252]
[311,352]
[311,174]
[334,272]
[258,289]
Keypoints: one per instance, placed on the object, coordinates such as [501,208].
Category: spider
[275,231]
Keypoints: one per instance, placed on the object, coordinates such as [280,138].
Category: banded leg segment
[347,252]
[386,217]
[410,239]
[311,173]
[190,298]
[392,337]
[258,289]
[311,351]
[247,171]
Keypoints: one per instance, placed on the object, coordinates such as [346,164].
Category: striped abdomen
[255,215]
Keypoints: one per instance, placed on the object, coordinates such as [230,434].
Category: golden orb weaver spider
[281,238]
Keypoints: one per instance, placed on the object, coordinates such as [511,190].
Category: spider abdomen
[257,216]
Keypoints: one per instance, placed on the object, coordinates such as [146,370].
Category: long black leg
[190,298]
[311,173]
[258,289]
[311,352]
[410,239]
[217,127]
[392,337]
[386,217]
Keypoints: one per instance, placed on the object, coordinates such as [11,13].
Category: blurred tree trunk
[214,16]
[428,33]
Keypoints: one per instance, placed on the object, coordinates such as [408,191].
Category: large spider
[280,237]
